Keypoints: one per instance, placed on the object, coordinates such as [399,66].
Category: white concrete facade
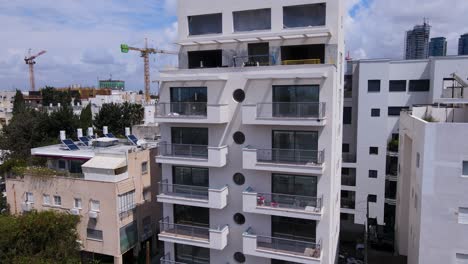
[232,116]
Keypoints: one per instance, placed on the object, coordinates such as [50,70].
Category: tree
[119,116]
[52,96]
[18,103]
[86,117]
[39,237]
[63,119]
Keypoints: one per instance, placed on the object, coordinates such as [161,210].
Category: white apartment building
[251,133]
[432,212]
[375,93]
[6,107]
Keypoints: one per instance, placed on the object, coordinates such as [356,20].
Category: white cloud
[379,30]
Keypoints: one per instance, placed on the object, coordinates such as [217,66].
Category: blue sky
[82,38]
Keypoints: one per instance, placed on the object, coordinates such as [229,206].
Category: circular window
[239,137]
[239,219]
[239,257]
[239,179]
[239,95]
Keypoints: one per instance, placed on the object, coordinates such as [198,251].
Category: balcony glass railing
[348,180]
[187,231]
[167,260]
[301,246]
[184,191]
[291,110]
[349,157]
[191,109]
[253,60]
[293,156]
[285,201]
[348,203]
[183,150]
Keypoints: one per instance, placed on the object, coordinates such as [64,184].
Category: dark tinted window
[397,86]
[347,113]
[238,179]
[395,110]
[374,150]
[205,24]
[94,234]
[205,59]
[239,257]
[239,138]
[191,215]
[304,15]
[294,185]
[239,95]
[345,148]
[419,85]
[189,135]
[375,112]
[191,254]
[190,176]
[239,218]
[293,228]
[259,19]
[372,198]
[372,174]
[373,86]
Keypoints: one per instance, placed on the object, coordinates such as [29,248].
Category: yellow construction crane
[145,52]
[30,61]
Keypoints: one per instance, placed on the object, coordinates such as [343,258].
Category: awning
[105,163]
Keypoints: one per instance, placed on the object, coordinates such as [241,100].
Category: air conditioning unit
[93,214]
[75,211]
[26,206]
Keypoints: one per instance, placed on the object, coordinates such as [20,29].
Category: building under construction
[417,42]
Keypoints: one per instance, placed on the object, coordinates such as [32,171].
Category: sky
[82,37]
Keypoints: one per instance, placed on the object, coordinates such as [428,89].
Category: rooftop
[441,113]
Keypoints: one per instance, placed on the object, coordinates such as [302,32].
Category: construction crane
[145,52]
[30,61]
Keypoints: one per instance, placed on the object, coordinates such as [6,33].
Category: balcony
[301,62]
[348,203]
[299,251]
[295,206]
[283,160]
[192,155]
[349,157]
[253,60]
[284,113]
[213,238]
[191,112]
[193,195]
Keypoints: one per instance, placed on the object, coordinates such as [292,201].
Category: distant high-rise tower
[438,47]
[417,42]
[463,45]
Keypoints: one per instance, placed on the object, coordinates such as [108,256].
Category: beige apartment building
[109,184]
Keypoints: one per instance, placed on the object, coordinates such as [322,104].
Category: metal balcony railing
[191,109]
[287,201]
[293,156]
[187,231]
[304,61]
[185,191]
[348,203]
[302,246]
[253,60]
[183,150]
[291,110]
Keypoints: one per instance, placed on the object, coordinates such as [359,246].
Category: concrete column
[118,260]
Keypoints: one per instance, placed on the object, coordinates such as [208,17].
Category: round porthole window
[239,137]
[239,179]
[239,95]
[239,257]
[239,219]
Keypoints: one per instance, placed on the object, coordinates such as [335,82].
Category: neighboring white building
[251,133]
[6,107]
[432,212]
[375,93]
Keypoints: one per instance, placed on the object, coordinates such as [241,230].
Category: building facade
[112,187]
[463,45]
[417,42]
[7,99]
[251,133]
[376,91]
[432,214]
[438,47]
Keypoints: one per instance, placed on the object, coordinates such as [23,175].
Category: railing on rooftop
[302,246]
[291,110]
[253,60]
[287,201]
[293,156]
[186,191]
[176,109]
[183,150]
[299,62]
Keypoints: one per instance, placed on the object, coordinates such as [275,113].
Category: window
[95,205]
[147,195]
[293,228]
[239,257]
[296,54]
[372,198]
[93,234]
[62,164]
[304,15]
[397,86]
[419,85]
[395,110]
[347,115]
[238,137]
[238,95]
[373,86]
[46,199]
[296,100]
[373,174]
[191,254]
[239,218]
[126,203]
[258,54]
[205,24]
[373,151]
[293,146]
[249,20]
[190,176]
[461,258]
[77,203]
[345,148]
[205,59]
[293,185]
[465,168]
[57,200]
[238,179]
[128,236]
[375,112]
[29,197]
[144,167]
[418,159]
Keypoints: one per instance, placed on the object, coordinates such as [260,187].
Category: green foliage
[63,119]
[18,103]
[9,164]
[52,96]
[429,118]
[42,172]
[39,238]
[119,116]
[393,145]
[4,208]
[86,117]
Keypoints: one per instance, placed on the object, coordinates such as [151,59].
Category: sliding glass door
[190,101]
[294,191]
[295,146]
[190,142]
[296,100]
[190,182]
